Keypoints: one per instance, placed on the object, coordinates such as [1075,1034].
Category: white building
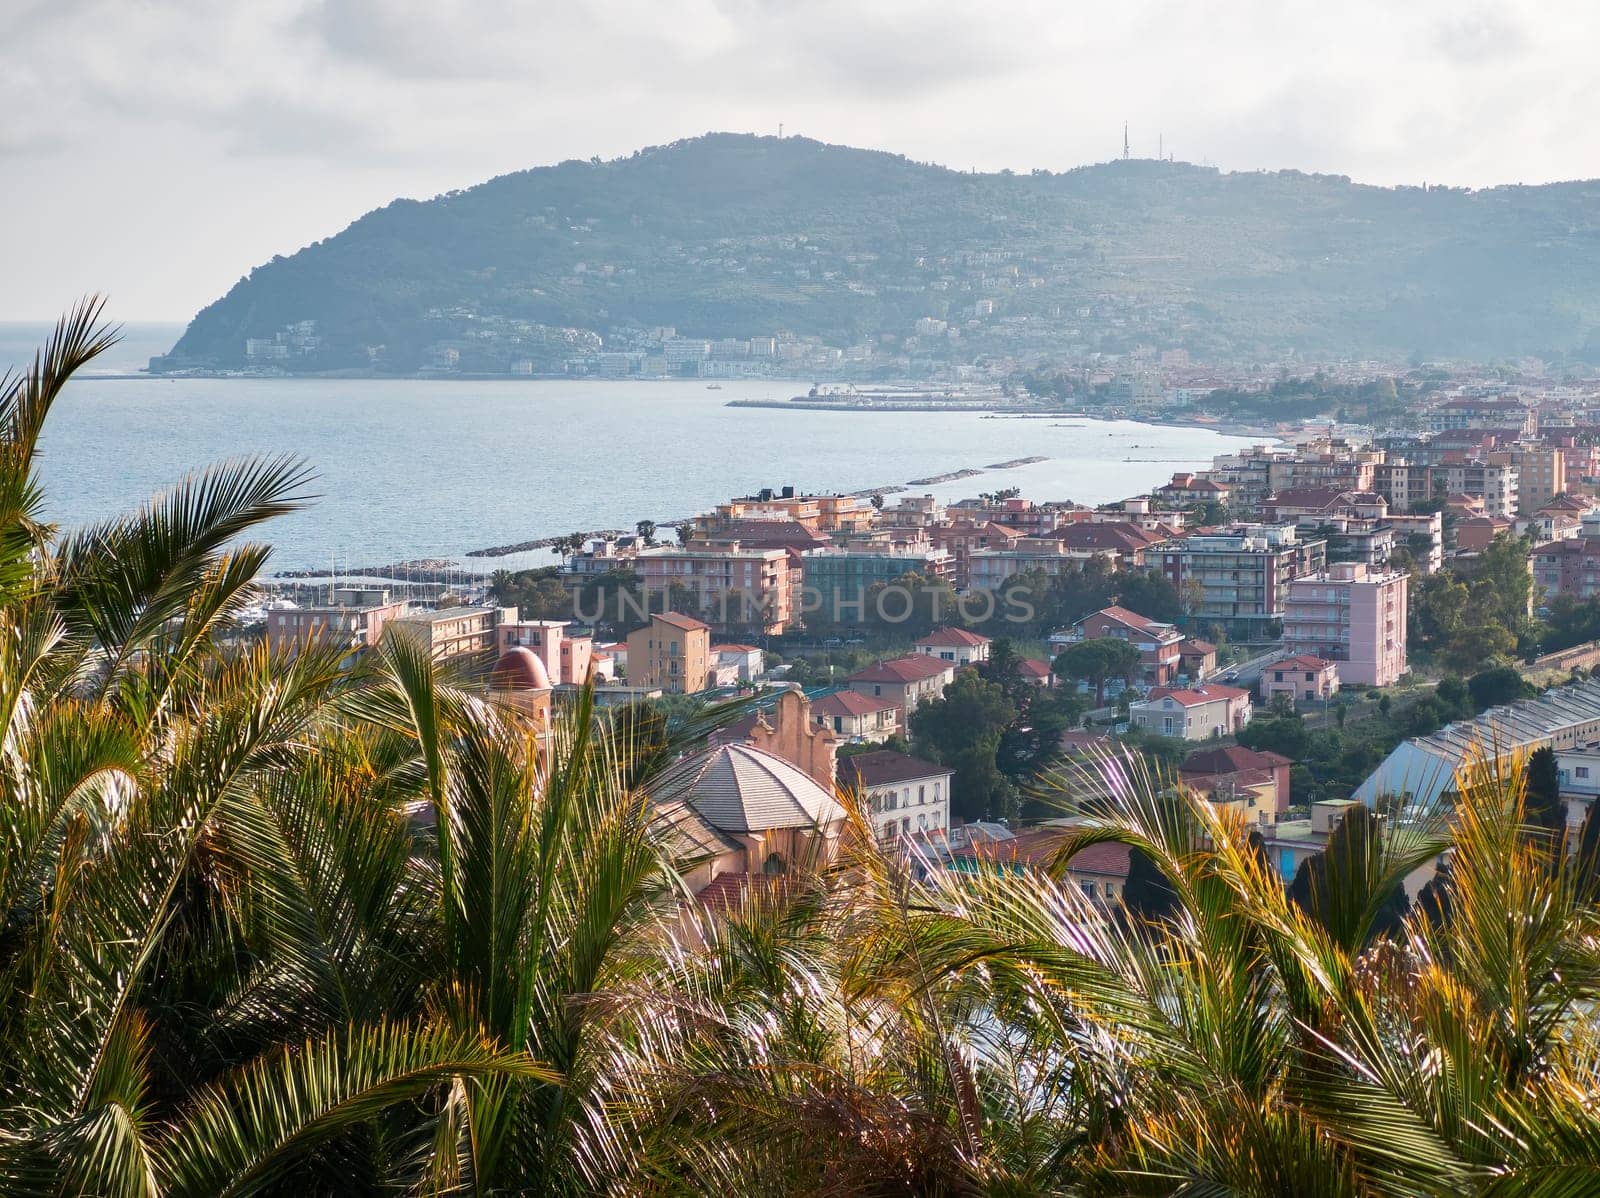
[904,797]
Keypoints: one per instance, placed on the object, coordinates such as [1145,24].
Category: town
[1338,618]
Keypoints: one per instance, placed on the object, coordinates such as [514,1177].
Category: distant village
[1338,596]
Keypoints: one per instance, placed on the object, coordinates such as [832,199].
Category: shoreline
[477,563]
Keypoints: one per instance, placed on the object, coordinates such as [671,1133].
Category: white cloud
[226,132]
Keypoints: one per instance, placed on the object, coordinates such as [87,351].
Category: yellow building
[672,652]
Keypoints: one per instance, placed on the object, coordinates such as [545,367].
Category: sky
[157,150]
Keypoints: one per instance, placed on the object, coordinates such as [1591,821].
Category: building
[519,681]
[953,644]
[1159,645]
[565,650]
[1302,679]
[738,814]
[1197,660]
[673,652]
[1493,477]
[856,718]
[905,798]
[1242,575]
[451,632]
[1199,712]
[1425,767]
[354,620]
[839,585]
[1541,475]
[1100,871]
[747,662]
[1191,490]
[1230,769]
[734,587]
[1351,615]
[907,682]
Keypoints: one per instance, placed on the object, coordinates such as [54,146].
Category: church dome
[519,669]
[740,788]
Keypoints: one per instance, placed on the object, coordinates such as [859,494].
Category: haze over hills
[736,236]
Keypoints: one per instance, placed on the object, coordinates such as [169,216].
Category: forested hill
[729,236]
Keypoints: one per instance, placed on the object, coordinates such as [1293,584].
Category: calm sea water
[412,469]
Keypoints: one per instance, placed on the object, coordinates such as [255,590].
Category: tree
[685,532]
[646,530]
[1151,594]
[1097,662]
[1496,687]
[1543,804]
[963,730]
[1278,734]
[1346,888]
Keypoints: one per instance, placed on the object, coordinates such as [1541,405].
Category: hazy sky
[158,149]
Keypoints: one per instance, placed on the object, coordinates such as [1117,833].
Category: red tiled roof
[1208,692]
[916,668]
[846,703]
[1033,667]
[953,636]
[885,766]
[734,649]
[1116,534]
[1195,645]
[1303,661]
[1037,847]
[1230,759]
[679,620]
[1123,615]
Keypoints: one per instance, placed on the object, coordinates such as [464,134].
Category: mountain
[735,236]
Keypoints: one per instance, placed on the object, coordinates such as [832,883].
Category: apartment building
[1541,475]
[734,587]
[455,632]
[672,652]
[905,798]
[1239,576]
[565,650]
[354,619]
[1301,679]
[1494,477]
[1352,615]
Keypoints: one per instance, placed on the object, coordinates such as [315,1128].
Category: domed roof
[519,669]
[740,788]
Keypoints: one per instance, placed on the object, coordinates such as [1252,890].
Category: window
[922,795]
[1582,771]
[877,690]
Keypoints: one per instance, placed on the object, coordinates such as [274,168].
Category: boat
[713,386]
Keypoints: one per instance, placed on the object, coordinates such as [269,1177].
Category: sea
[406,470]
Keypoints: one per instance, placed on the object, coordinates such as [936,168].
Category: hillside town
[1336,618]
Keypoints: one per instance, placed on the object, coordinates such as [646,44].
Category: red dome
[519,669]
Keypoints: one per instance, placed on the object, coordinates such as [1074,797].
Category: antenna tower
[1124,141]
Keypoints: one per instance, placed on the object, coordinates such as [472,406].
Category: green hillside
[739,236]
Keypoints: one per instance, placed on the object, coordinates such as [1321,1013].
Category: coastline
[477,564]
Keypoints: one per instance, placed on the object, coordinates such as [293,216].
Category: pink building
[1353,615]
[1303,679]
[566,654]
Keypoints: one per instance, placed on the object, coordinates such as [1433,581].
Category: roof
[953,636]
[1304,661]
[734,649]
[1116,534]
[1208,692]
[1230,759]
[1194,644]
[885,766]
[686,835]
[849,703]
[679,620]
[915,668]
[1037,847]
[1318,498]
[740,788]
[1032,667]
[519,669]
[1132,619]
